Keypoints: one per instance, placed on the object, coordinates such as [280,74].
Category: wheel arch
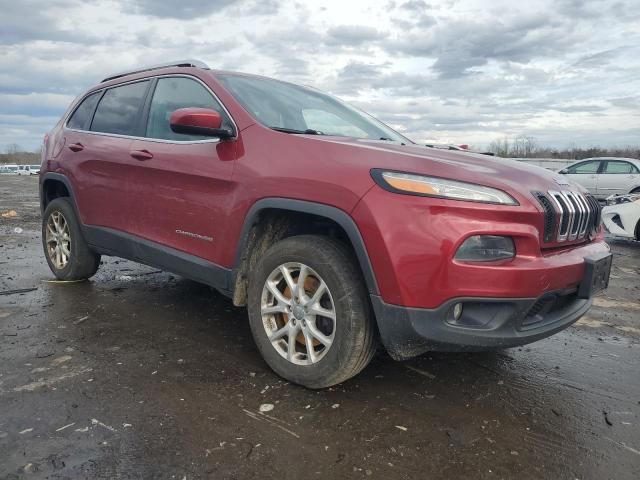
[54,185]
[258,235]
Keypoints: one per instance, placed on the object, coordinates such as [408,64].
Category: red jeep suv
[335,231]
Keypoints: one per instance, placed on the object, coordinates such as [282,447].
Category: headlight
[411,184]
[486,248]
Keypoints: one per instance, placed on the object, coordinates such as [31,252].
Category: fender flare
[339,216]
[58,177]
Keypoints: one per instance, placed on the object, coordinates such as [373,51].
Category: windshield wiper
[392,140]
[308,131]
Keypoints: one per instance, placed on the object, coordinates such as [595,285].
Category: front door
[183,182]
[585,174]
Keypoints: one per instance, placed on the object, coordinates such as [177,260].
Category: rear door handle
[141,154]
[76,147]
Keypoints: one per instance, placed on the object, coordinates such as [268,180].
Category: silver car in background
[605,176]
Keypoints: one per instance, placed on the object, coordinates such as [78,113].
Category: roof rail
[178,63]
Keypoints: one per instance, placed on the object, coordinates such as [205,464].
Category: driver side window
[172,93]
[585,168]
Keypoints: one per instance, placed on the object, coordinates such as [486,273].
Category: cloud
[183,9]
[460,71]
[353,35]
[461,44]
[22,22]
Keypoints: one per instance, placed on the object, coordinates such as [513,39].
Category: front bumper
[486,323]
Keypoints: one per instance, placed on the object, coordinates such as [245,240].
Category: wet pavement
[141,374]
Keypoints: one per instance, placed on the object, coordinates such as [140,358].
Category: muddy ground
[142,374]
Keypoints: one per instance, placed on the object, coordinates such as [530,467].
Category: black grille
[546,308]
[579,215]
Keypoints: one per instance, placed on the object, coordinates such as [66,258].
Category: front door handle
[141,154]
[76,147]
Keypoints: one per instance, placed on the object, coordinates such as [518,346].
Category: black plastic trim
[58,177]
[407,332]
[107,241]
[333,213]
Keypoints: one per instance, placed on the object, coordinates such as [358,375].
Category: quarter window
[585,168]
[119,109]
[172,93]
[82,116]
[620,167]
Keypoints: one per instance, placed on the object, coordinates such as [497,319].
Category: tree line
[15,154]
[524,146]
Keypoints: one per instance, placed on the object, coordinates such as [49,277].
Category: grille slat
[568,215]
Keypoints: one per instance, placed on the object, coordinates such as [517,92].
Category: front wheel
[309,312]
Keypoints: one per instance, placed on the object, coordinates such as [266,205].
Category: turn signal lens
[486,248]
[440,187]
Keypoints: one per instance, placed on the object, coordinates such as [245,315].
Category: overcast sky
[470,71]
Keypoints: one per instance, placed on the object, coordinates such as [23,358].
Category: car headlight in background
[486,248]
[617,199]
[411,184]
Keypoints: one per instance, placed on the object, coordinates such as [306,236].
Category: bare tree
[13,148]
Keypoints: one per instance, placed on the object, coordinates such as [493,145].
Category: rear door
[103,164]
[183,182]
[618,176]
[585,174]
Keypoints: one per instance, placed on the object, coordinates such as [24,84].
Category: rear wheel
[67,253]
[309,312]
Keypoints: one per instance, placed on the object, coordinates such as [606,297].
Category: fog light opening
[457,311]
[486,248]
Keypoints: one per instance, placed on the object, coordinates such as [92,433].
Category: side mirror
[564,171]
[199,121]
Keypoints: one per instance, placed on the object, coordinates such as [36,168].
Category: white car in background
[28,169]
[621,216]
[8,169]
[606,176]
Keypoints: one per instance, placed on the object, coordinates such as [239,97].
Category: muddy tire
[310,313]
[67,253]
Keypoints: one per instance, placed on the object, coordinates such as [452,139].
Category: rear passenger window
[82,116]
[620,167]
[119,108]
[172,93]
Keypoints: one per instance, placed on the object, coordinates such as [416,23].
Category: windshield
[295,109]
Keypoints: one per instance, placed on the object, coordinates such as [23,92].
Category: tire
[351,331]
[81,262]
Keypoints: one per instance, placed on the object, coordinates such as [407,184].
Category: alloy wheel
[298,313]
[58,239]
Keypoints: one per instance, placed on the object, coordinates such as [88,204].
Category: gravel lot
[141,374]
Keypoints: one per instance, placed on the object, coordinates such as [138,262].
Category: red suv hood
[509,175]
